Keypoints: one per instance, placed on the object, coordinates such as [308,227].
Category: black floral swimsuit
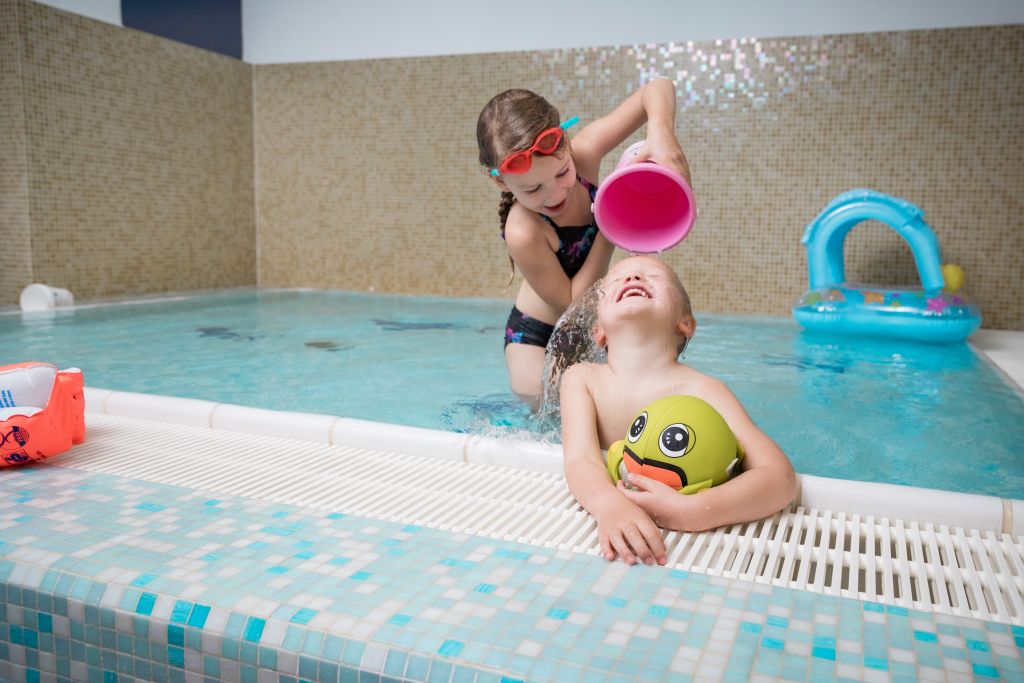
[574,244]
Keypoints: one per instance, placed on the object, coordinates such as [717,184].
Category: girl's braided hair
[511,121]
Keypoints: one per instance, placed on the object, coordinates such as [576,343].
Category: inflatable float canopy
[42,412]
[935,312]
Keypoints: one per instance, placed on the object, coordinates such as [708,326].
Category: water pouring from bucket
[644,208]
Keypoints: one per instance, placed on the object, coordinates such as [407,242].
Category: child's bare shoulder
[699,382]
[582,371]
[523,227]
[584,374]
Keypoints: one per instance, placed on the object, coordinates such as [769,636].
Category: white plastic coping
[328,429]
[909,503]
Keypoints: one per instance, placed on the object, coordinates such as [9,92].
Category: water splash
[499,415]
[474,414]
[572,342]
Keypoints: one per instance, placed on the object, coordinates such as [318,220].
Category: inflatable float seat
[42,411]
[935,312]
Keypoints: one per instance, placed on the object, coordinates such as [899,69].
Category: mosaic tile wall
[139,158]
[367,176]
[16,254]
[132,165]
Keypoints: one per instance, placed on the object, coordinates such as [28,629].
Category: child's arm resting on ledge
[766,482]
[624,529]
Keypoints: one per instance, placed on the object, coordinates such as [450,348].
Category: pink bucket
[644,208]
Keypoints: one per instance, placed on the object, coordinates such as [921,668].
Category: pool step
[919,565]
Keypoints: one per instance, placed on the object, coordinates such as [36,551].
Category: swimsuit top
[574,242]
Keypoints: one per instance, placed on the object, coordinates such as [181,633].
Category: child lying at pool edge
[644,321]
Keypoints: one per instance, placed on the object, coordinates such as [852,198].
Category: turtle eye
[637,428]
[676,440]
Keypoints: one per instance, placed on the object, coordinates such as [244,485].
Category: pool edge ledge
[909,503]
[1004,349]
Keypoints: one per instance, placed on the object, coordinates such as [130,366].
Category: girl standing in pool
[546,212]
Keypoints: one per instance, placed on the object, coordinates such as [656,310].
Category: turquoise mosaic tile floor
[106,578]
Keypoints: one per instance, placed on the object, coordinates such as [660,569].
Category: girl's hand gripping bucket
[644,208]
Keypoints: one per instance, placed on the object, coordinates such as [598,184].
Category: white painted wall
[326,30]
[104,10]
[275,31]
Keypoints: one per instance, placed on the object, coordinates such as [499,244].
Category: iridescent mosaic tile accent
[113,579]
[378,163]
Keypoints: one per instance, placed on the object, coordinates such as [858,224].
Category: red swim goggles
[546,143]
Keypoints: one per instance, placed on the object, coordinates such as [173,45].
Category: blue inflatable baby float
[936,312]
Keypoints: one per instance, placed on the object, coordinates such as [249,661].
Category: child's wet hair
[511,121]
[684,300]
[680,290]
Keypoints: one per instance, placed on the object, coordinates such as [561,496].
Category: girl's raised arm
[653,104]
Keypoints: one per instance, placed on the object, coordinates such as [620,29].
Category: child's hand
[626,532]
[660,501]
[664,149]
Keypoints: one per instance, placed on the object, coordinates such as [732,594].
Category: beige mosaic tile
[140,159]
[147,165]
[15,232]
[367,176]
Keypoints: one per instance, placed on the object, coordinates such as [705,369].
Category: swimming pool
[894,412]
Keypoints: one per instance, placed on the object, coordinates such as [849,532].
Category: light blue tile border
[92,586]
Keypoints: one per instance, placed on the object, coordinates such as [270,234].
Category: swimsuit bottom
[522,329]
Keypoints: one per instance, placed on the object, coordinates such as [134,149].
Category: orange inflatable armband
[42,411]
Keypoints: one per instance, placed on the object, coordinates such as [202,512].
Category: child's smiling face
[642,288]
[546,186]
[638,283]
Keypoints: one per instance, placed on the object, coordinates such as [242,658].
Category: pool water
[895,412]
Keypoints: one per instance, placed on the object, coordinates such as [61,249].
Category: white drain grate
[922,566]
